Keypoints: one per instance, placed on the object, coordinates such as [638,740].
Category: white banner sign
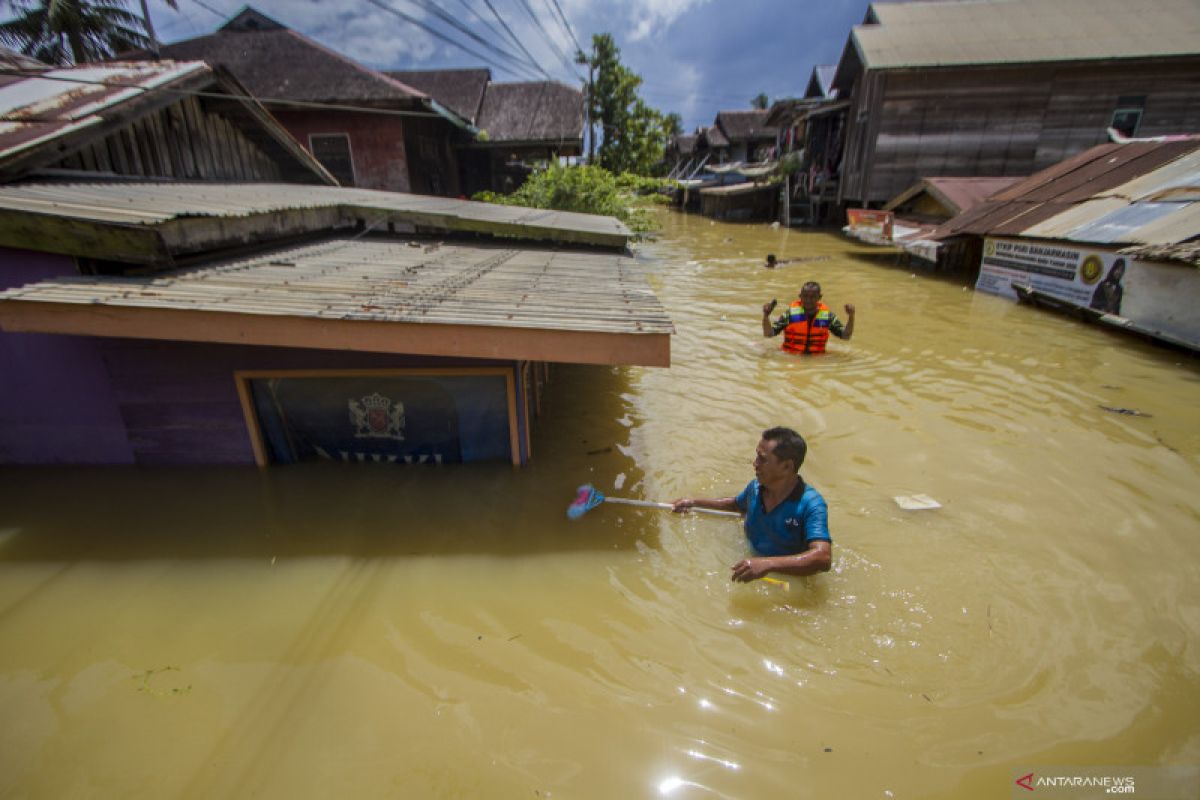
[1156,297]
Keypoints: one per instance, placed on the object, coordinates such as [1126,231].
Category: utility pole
[154,45]
[581,58]
[149,28]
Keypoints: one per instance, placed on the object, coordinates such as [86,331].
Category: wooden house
[368,129]
[1002,87]
[185,121]
[520,124]
[155,314]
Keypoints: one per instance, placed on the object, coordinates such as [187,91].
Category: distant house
[519,124]
[737,136]
[712,145]
[820,83]
[939,199]
[680,155]
[383,134]
[182,283]
[1109,234]
[750,137]
[1001,88]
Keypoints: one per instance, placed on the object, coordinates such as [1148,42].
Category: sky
[696,57]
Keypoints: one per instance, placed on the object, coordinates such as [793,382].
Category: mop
[588,497]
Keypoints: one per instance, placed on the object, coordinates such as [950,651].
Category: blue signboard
[389,419]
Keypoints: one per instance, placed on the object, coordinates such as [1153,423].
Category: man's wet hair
[789,445]
[816,287]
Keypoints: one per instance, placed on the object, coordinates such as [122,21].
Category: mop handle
[651,504]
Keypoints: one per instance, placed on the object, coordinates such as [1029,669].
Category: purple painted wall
[180,403]
[56,403]
[84,400]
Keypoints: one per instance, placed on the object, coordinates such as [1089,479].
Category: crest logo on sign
[377,417]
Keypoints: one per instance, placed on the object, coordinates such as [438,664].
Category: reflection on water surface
[325,630]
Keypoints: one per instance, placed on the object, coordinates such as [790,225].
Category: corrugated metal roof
[157,203]
[36,108]
[1177,180]
[1020,31]
[1120,225]
[1139,193]
[388,280]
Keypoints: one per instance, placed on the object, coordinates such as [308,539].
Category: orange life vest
[803,335]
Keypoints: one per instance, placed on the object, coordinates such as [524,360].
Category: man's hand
[682,505]
[769,307]
[751,569]
[850,310]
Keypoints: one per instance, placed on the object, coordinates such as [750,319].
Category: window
[1128,116]
[333,151]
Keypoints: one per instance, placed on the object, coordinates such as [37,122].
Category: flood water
[354,631]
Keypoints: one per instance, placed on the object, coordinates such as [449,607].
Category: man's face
[768,468]
[809,298]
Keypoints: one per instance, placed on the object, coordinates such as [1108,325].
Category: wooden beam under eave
[198,234]
[371,336]
[133,244]
[517,230]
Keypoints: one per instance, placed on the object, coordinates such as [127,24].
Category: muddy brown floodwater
[352,631]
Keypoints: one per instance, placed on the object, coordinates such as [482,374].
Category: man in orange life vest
[808,322]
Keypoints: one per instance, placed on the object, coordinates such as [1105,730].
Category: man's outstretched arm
[716,504]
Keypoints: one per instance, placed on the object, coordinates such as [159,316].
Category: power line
[28,73]
[553,44]
[452,22]
[207,7]
[514,37]
[567,25]
[438,34]
[494,30]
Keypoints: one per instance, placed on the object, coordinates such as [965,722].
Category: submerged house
[182,314]
[520,124]
[1109,235]
[368,129]
[1000,88]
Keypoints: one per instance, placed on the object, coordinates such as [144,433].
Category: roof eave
[371,336]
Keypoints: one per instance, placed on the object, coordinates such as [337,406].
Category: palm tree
[73,31]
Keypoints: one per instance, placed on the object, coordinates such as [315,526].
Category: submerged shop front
[390,348]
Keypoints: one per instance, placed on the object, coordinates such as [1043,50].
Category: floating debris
[1130,412]
[916,502]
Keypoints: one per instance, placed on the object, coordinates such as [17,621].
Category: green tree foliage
[634,133]
[672,124]
[72,31]
[588,190]
[760,101]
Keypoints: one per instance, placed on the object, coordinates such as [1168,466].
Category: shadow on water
[365,510]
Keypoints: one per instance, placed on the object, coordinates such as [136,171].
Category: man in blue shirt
[786,521]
